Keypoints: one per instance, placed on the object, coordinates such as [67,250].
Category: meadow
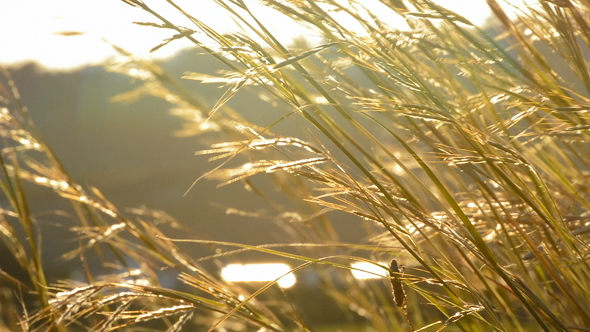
[460,152]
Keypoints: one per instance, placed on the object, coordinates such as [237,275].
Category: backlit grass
[462,152]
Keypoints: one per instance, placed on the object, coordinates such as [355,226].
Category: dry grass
[461,151]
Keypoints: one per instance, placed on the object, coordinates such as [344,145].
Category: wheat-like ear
[399,295]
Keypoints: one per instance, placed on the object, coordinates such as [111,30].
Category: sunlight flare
[366,270]
[259,273]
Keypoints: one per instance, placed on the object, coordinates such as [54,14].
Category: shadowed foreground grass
[462,152]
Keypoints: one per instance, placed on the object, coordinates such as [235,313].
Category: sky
[29,28]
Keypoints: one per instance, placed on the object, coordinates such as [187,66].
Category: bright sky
[28,27]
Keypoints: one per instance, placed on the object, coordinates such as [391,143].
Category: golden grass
[461,152]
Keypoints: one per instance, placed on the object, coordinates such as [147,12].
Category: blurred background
[56,53]
[128,150]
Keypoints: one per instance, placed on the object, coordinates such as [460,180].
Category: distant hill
[128,150]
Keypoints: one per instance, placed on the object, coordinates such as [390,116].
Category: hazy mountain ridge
[128,151]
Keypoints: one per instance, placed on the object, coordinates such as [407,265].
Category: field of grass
[462,152]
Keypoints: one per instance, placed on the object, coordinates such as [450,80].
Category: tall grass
[461,151]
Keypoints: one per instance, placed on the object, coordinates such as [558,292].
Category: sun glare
[366,270]
[259,273]
[33,30]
